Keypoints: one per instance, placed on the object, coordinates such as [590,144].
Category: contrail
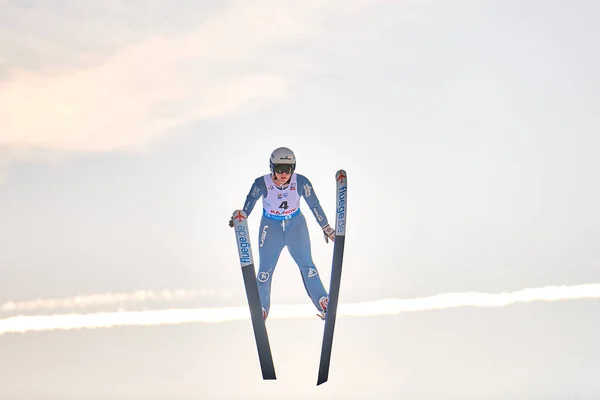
[30,323]
[106,299]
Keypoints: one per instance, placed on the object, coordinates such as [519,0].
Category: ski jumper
[283,224]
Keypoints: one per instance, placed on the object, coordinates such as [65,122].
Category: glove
[231,222]
[329,233]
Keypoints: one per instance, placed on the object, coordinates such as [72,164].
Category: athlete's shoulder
[301,179]
[304,185]
[259,187]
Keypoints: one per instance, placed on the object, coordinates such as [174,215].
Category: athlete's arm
[258,189]
[307,191]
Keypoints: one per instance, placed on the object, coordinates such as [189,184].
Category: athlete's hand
[329,233]
[231,222]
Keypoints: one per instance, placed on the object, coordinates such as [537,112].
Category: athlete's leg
[298,242]
[270,243]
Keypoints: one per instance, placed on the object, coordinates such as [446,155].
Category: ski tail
[240,225]
[336,274]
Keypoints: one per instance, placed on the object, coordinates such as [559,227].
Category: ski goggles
[282,168]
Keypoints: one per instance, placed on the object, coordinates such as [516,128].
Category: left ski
[261,337]
[336,274]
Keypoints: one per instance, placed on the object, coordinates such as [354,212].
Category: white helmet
[282,155]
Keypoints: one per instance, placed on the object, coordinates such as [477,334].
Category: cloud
[109,299]
[148,87]
[27,323]
[70,85]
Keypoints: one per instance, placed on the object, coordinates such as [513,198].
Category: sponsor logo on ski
[244,245]
[341,210]
[239,216]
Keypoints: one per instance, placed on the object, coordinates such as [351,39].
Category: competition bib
[281,203]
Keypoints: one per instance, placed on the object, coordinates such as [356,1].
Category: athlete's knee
[264,276]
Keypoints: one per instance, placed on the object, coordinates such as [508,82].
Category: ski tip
[321,381]
[239,214]
[239,217]
[341,176]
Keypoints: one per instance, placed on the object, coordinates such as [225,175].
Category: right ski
[242,237]
[336,274]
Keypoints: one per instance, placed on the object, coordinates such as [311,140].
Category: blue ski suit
[283,224]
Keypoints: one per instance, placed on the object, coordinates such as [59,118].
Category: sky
[131,131]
